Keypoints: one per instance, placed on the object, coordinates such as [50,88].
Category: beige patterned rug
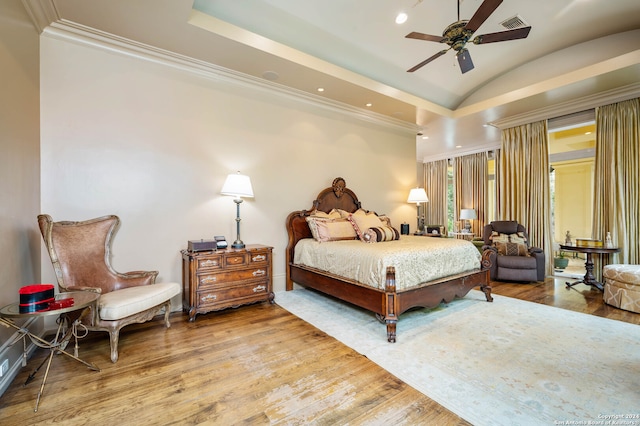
[508,362]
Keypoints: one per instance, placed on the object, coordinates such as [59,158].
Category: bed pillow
[328,229]
[497,237]
[380,234]
[362,221]
[386,220]
[333,214]
[343,213]
[311,219]
[518,238]
[512,249]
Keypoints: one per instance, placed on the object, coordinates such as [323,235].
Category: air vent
[514,22]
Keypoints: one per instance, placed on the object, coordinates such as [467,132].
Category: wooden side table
[220,279]
[68,317]
[589,278]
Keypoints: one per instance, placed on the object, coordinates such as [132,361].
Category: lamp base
[237,244]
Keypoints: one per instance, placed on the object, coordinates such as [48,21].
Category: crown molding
[581,104]
[72,32]
[462,153]
[42,12]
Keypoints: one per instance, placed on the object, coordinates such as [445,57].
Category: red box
[36,297]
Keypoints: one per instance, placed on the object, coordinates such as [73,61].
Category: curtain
[497,172]
[435,185]
[470,175]
[524,192]
[617,181]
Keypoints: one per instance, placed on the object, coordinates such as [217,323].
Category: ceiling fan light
[401,18]
[464,60]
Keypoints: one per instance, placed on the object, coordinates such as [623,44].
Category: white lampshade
[237,185]
[417,195]
[468,214]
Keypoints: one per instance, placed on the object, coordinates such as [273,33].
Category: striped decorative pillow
[381,233]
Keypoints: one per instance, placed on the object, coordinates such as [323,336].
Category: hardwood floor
[554,292]
[255,365]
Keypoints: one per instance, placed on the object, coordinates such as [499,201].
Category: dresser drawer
[210,262]
[258,258]
[228,276]
[229,294]
[236,259]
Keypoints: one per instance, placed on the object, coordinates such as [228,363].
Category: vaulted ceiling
[578,53]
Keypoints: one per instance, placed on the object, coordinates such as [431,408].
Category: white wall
[153,144]
[19,168]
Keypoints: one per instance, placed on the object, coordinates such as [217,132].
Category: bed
[386,299]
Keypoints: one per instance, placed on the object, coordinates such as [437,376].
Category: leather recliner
[528,266]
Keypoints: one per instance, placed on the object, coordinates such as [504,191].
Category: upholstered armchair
[81,256]
[506,244]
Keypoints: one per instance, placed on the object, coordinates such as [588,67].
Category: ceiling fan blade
[481,15]
[502,36]
[427,37]
[464,60]
[426,61]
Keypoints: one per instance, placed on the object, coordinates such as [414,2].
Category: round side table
[67,316]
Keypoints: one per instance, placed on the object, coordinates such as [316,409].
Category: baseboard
[13,349]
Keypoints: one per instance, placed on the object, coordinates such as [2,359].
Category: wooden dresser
[214,280]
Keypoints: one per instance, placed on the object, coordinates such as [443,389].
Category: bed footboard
[391,308]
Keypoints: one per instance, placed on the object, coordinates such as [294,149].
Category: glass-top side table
[68,322]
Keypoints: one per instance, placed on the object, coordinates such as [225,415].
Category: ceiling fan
[458,34]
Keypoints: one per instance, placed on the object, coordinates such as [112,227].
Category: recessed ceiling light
[425,137]
[401,18]
[369,104]
[320,89]
[270,75]
[458,146]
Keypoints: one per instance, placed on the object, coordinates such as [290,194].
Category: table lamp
[418,196]
[467,215]
[239,186]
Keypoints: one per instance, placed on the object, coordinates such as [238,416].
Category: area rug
[509,362]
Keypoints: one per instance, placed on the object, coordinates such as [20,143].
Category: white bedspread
[416,259]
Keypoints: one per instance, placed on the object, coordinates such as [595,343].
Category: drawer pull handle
[209,279]
[259,273]
[259,258]
[235,260]
[209,263]
[259,288]
[208,297]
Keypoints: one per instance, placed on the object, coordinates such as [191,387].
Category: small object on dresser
[221,242]
[201,245]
